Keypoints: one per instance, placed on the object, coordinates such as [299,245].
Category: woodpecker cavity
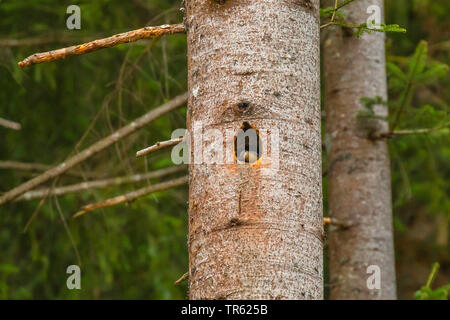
[247,144]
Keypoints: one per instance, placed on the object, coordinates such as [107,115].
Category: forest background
[138,251]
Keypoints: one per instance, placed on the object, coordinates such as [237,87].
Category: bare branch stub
[126,37]
[158,146]
[96,184]
[328,221]
[182,279]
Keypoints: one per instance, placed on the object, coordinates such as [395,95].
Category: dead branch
[126,37]
[158,146]
[53,38]
[182,278]
[95,148]
[392,134]
[131,196]
[25,166]
[105,183]
[10,124]
[32,166]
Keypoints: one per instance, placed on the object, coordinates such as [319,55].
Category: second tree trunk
[359,192]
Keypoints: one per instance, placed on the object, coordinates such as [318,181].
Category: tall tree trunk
[255,231]
[359,190]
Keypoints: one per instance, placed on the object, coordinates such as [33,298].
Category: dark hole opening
[243,105]
[247,144]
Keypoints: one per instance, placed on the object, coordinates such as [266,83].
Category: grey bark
[359,190]
[254,233]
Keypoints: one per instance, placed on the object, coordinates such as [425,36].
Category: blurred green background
[138,251]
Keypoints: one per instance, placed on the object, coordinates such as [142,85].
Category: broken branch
[158,146]
[30,166]
[126,37]
[105,183]
[95,148]
[388,135]
[53,38]
[10,124]
[182,278]
[327,221]
[131,196]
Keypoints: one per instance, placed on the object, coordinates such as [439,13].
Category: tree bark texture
[255,231]
[359,191]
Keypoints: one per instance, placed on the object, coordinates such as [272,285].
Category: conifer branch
[131,196]
[408,90]
[333,15]
[126,37]
[104,183]
[338,19]
[158,146]
[95,148]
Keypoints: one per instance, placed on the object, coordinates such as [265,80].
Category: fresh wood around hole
[158,146]
[104,183]
[131,196]
[95,148]
[126,37]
